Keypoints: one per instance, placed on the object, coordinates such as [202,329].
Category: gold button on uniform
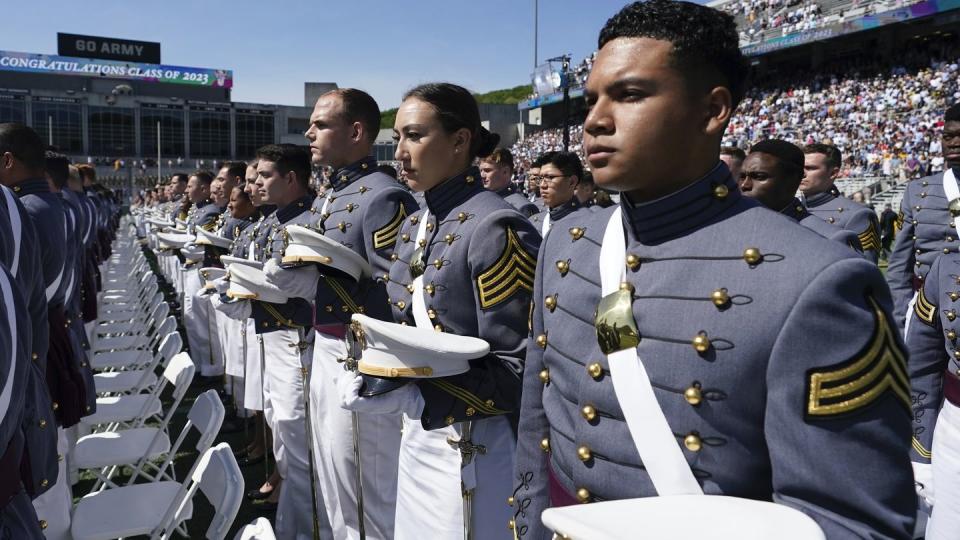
[584,453]
[550,302]
[471,411]
[595,370]
[43,524]
[583,495]
[693,395]
[721,191]
[589,412]
[576,233]
[953,296]
[542,341]
[545,444]
[510,501]
[700,343]
[545,376]
[951,315]
[448,420]
[633,262]
[692,442]
[951,335]
[42,423]
[44,483]
[752,255]
[511,524]
[720,297]
[563,267]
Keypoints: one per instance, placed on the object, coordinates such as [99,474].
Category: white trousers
[201,326]
[286,363]
[55,505]
[333,444]
[944,522]
[253,371]
[430,474]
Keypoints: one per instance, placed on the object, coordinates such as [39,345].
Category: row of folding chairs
[138,356]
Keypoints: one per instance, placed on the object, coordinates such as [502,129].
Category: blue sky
[382,46]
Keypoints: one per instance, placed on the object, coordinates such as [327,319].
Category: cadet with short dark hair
[560,176]
[677,395]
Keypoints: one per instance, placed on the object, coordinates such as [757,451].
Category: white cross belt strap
[14,214]
[7,392]
[952,191]
[545,227]
[651,434]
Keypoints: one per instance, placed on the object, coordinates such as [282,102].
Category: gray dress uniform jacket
[934,348]
[558,213]
[18,520]
[925,232]
[365,211]
[518,201]
[477,263]
[846,214]
[797,212]
[748,326]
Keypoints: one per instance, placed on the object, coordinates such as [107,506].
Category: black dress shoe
[250,461]
[257,495]
[234,425]
[239,454]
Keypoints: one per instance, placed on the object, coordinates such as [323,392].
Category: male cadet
[17,516]
[771,174]
[931,338]
[679,395]
[496,170]
[283,179]
[928,222]
[533,184]
[179,202]
[363,210]
[822,165]
[197,317]
[586,190]
[733,157]
[88,273]
[23,170]
[560,177]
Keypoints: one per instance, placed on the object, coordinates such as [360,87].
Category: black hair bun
[487,142]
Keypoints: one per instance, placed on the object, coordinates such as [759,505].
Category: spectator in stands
[888,220]
[733,157]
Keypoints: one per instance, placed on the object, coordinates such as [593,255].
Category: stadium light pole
[50,129]
[159,161]
[536,21]
[565,84]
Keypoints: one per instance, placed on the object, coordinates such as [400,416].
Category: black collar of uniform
[682,211]
[450,193]
[819,199]
[31,187]
[795,210]
[202,203]
[344,176]
[266,210]
[294,209]
[560,212]
[507,191]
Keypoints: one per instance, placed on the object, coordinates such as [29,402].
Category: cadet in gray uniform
[931,338]
[286,330]
[560,175]
[363,209]
[822,165]
[735,353]
[36,259]
[497,173]
[463,265]
[927,228]
[18,520]
[771,174]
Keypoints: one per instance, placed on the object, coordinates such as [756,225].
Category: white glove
[238,310]
[298,282]
[221,284]
[405,399]
[923,478]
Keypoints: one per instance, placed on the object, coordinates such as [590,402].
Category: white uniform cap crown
[207,238]
[396,350]
[251,284]
[309,246]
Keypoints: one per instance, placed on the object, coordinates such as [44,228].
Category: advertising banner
[85,67]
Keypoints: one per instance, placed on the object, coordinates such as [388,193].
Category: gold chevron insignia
[919,449]
[512,272]
[852,385]
[386,236]
[898,223]
[925,309]
[870,238]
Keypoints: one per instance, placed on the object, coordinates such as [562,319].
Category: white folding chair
[159,508]
[140,447]
[137,326]
[136,379]
[116,412]
[101,360]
